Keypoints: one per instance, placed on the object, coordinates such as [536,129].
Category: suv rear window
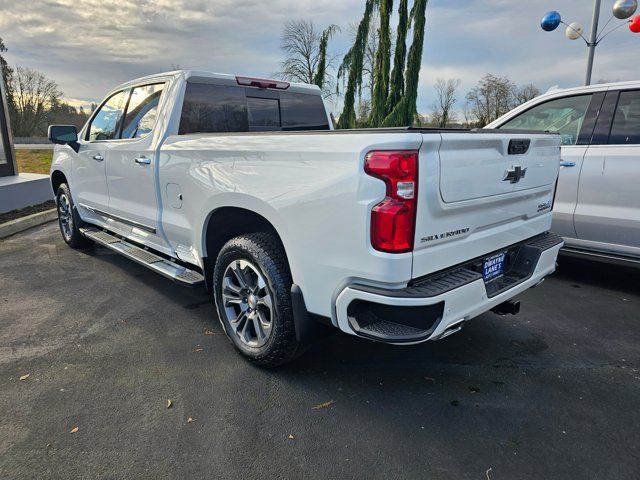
[210,108]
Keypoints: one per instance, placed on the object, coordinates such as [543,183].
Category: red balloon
[634,24]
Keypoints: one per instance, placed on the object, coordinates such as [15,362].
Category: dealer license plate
[493,266]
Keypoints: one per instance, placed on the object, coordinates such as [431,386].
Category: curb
[20,224]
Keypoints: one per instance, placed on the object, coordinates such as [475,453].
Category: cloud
[89,46]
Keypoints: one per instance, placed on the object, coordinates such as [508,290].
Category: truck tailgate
[474,166]
[477,195]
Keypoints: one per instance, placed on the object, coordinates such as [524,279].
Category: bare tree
[467,115]
[525,93]
[442,113]
[490,98]
[33,96]
[301,44]
[370,53]
[363,109]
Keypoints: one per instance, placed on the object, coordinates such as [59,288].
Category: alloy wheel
[247,302]
[65,216]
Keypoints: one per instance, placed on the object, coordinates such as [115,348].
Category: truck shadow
[486,341]
[598,274]
[489,342]
[482,341]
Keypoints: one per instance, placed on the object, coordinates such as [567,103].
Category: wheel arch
[58,178]
[224,223]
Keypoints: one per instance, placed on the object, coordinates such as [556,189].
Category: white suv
[597,208]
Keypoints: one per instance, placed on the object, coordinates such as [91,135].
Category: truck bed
[312,187]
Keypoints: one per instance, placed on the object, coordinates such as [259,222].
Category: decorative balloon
[623,9]
[634,24]
[550,21]
[574,31]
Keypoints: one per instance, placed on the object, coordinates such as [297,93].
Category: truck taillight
[393,220]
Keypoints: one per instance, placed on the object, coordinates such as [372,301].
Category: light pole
[622,9]
[593,38]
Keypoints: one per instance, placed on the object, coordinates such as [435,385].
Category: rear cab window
[211,108]
[264,113]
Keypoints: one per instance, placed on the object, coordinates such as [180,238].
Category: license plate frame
[493,266]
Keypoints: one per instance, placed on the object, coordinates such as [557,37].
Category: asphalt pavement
[102,345]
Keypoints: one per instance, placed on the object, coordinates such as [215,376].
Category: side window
[303,112]
[106,123]
[626,121]
[140,116]
[263,112]
[211,108]
[562,115]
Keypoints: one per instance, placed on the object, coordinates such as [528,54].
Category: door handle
[567,164]
[142,160]
[97,157]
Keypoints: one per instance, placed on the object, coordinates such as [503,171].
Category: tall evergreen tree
[7,73]
[321,70]
[352,65]
[404,112]
[397,74]
[382,65]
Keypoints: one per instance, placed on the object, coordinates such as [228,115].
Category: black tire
[68,219]
[260,253]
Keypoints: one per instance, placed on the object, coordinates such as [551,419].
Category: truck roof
[222,77]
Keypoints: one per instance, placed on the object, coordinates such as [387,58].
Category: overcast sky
[89,46]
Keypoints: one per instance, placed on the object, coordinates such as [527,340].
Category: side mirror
[64,135]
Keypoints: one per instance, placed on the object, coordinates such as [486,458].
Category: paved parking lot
[551,393]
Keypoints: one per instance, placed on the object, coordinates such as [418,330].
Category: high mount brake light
[262,83]
[393,220]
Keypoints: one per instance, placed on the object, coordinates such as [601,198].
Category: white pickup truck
[398,235]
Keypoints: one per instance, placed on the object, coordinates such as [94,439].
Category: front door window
[562,115]
[141,111]
[106,123]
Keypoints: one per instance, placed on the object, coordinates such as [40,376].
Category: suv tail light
[393,220]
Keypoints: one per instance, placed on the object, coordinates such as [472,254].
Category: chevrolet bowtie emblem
[514,174]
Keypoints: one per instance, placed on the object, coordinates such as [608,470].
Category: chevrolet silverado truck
[399,235]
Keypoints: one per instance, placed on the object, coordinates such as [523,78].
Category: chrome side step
[158,264]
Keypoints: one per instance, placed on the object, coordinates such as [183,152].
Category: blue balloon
[550,21]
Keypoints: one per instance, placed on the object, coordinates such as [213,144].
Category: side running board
[158,264]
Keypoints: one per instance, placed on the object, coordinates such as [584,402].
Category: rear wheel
[69,220]
[252,290]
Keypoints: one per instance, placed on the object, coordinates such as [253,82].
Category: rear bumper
[435,306]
